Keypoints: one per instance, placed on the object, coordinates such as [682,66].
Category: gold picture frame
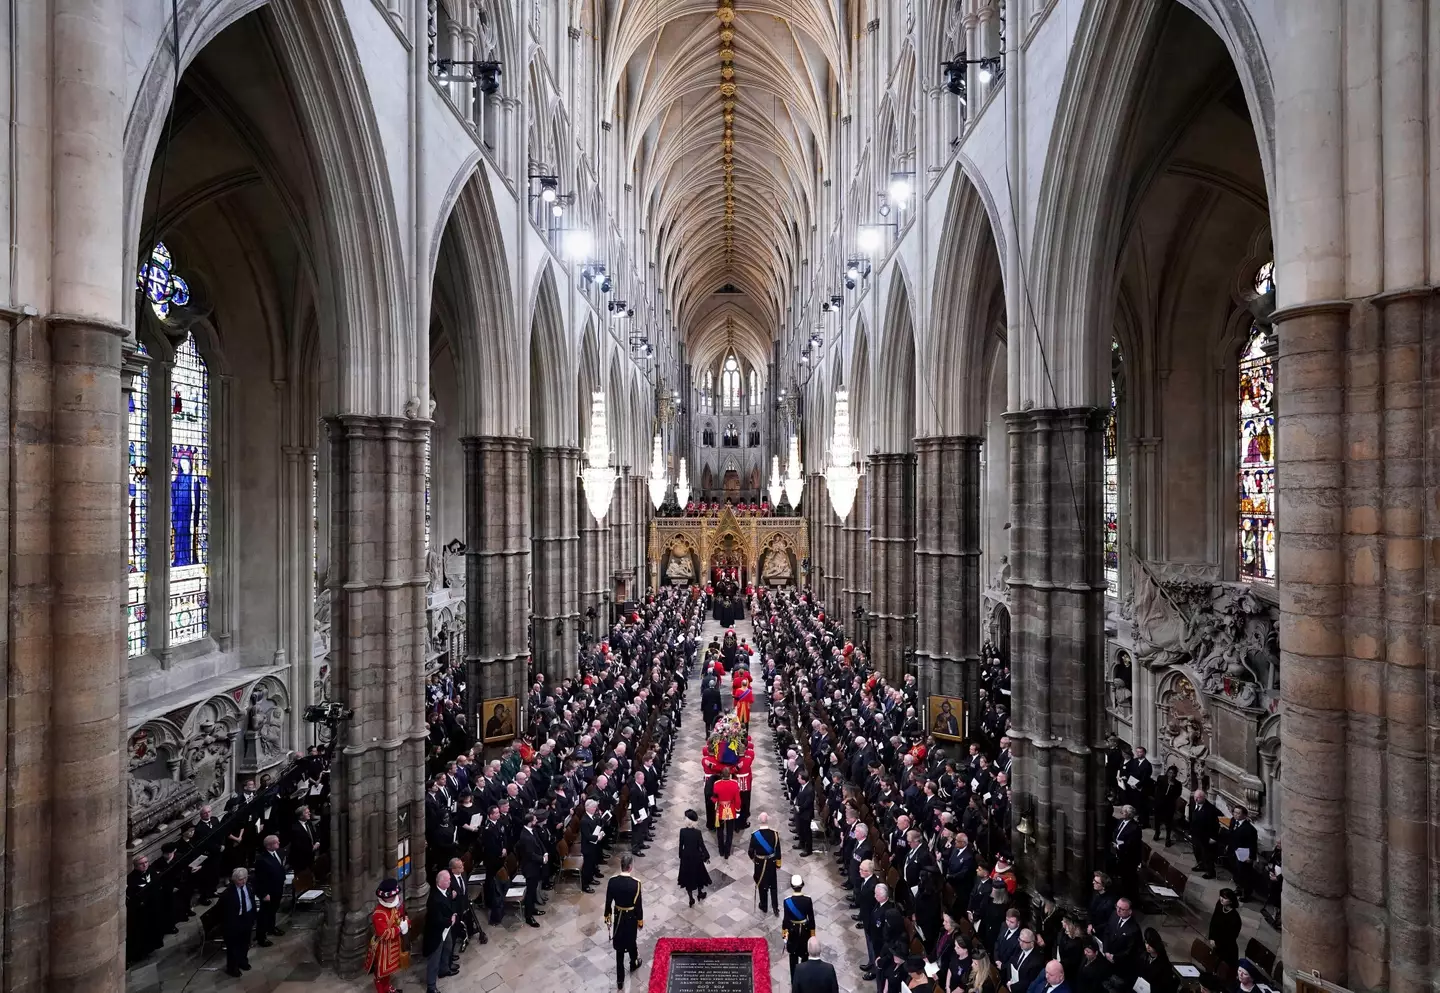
[498,719]
[945,717]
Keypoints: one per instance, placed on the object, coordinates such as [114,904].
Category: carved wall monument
[1204,682]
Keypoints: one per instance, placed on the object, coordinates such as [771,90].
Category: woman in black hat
[693,856]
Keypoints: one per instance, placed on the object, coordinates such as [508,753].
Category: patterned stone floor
[571,951]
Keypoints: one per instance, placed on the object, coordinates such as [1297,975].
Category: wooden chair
[1203,956]
[1261,956]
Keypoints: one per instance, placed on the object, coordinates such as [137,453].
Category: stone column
[831,532]
[594,566]
[64,792]
[377,588]
[855,542]
[640,527]
[497,567]
[622,537]
[892,561]
[556,572]
[1058,592]
[947,568]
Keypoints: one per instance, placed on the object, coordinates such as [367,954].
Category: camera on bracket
[328,713]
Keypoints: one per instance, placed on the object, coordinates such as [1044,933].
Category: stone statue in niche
[1001,581]
[435,568]
[1121,685]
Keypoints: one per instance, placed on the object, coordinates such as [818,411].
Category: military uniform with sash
[765,853]
[798,924]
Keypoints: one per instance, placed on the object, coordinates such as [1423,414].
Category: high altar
[764,551]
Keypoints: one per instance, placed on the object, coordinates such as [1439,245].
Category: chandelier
[842,478]
[598,477]
[777,488]
[657,482]
[795,474]
[682,484]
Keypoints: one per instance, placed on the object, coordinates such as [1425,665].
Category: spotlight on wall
[594,272]
[869,238]
[855,270]
[900,190]
[615,306]
[485,75]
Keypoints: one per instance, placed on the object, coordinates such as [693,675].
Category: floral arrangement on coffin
[726,743]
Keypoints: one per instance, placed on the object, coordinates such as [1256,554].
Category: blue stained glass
[137,579]
[162,287]
[189,495]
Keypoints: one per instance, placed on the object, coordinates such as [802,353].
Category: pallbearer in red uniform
[743,780]
[744,695]
[727,810]
[388,925]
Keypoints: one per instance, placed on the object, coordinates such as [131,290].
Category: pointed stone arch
[894,407]
[550,413]
[967,311]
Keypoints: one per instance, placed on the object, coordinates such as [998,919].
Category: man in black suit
[304,846]
[813,975]
[1125,850]
[1136,782]
[805,813]
[1242,844]
[532,866]
[710,702]
[238,910]
[1203,819]
[1024,965]
[440,917]
[1007,942]
[269,887]
[1121,939]
[889,939]
[592,832]
[492,852]
[467,924]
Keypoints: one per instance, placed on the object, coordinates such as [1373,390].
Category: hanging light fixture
[777,488]
[657,482]
[841,476]
[598,477]
[682,485]
[795,474]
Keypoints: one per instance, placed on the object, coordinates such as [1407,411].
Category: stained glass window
[754,393]
[189,495]
[1256,472]
[137,602]
[1112,478]
[707,394]
[161,286]
[730,384]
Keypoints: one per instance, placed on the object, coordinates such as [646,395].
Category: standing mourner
[625,916]
[693,856]
[765,853]
[798,924]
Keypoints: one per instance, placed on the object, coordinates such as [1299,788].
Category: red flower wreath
[665,947]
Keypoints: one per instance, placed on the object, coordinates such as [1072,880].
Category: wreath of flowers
[757,948]
[729,733]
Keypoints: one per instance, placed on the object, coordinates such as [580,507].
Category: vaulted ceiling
[728,104]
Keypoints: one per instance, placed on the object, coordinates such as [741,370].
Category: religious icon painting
[498,718]
[946,717]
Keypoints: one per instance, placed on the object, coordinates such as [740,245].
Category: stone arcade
[1134,303]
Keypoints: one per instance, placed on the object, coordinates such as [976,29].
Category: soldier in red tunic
[389,925]
[727,810]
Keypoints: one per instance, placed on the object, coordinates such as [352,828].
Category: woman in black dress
[1225,927]
[1155,965]
[693,856]
[952,955]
